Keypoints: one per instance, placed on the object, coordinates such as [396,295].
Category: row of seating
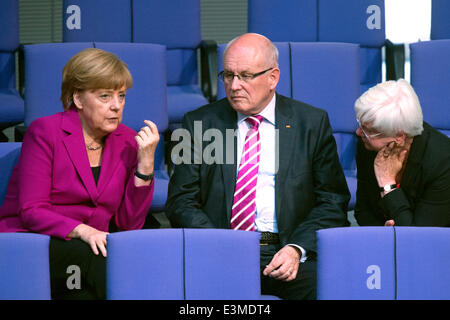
[357,263]
[383,263]
[310,72]
[164,264]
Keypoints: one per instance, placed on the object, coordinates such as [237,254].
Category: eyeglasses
[228,77]
[368,136]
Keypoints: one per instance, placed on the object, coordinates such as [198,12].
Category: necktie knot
[254,121]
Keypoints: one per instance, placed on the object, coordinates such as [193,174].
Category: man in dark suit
[299,186]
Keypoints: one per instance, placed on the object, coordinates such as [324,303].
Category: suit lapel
[228,121]
[413,170]
[74,144]
[286,127]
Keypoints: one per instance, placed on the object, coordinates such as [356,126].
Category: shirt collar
[268,112]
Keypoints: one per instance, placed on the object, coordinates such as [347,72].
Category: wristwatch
[389,187]
[145,177]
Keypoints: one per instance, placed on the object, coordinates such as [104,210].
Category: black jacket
[423,198]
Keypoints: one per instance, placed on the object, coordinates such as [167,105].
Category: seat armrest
[395,60]
[208,61]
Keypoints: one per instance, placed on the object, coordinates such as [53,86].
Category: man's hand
[284,264]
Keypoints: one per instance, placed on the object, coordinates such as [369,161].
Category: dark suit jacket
[310,188]
[423,198]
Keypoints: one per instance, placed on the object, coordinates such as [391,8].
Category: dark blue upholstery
[147,99]
[99,20]
[175,24]
[11,103]
[24,267]
[284,64]
[43,75]
[9,154]
[440,22]
[317,71]
[285,20]
[145,265]
[430,77]
[356,263]
[325,21]
[423,263]
[221,265]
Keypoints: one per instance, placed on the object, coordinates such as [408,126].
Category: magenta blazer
[52,189]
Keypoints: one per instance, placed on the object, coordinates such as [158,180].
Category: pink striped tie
[244,206]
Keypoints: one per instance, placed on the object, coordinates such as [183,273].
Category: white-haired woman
[403,163]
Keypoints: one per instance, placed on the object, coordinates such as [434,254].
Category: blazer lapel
[109,159]
[413,170]
[229,121]
[285,127]
[74,143]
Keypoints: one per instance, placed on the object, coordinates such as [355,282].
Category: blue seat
[175,24]
[423,263]
[11,103]
[430,78]
[221,265]
[440,23]
[24,267]
[354,21]
[284,63]
[145,265]
[99,20]
[356,263]
[9,154]
[145,100]
[317,71]
[43,76]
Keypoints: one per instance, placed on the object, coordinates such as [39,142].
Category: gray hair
[392,107]
[272,53]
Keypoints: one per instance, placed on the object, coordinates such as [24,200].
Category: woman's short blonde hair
[392,107]
[93,69]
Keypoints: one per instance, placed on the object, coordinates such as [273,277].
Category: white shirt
[265,218]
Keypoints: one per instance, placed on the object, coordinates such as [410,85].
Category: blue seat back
[11,104]
[221,265]
[284,64]
[284,20]
[440,23]
[24,267]
[43,76]
[423,263]
[145,265]
[9,42]
[175,24]
[99,20]
[356,264]
[354,21]
[430,77]
[9,154]
[147,99]
[317,71]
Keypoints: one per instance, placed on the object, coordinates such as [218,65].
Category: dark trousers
[74,259]
[303,287]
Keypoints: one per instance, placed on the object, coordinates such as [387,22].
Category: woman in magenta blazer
[80,170]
